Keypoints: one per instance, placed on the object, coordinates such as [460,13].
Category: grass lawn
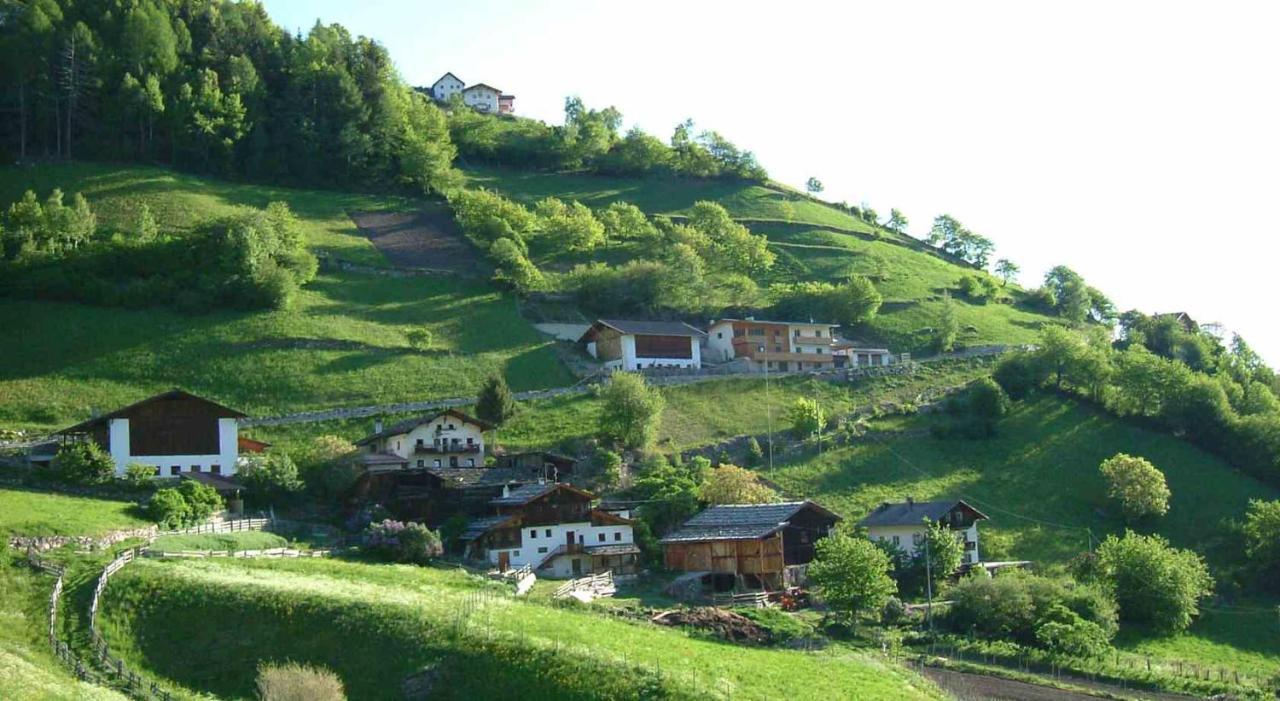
[180,202]
[246,540]
[40,513]
[28,669]
[1037,479]
[1244,637]
[351,616]
[662,195]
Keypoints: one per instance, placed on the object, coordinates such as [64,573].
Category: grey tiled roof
[524,494]
[478,527]
[652,328]
[911,513]
[480,476]
[619,549]
[410,424]
[738,521]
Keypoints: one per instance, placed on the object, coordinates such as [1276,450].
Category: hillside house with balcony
[637,345]
[556,529]
[904,524]
[782,346]
[175,432]
[446,439]
[760,546]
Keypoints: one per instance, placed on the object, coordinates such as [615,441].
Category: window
[533,533]
[517,553]
[158,470]
[755,332]
[548,532]
[422,463]
[822,351]
[719,334]
[797,333]
[435,463]
[195,468]
[542,549]
[777,349]
[471,462]
[215,469]
[600,537]
[617,535]
[897,540]
[916,538]
[175,469]
[420,442]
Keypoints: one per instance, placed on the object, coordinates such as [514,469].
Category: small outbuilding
[761,545]
[635,345]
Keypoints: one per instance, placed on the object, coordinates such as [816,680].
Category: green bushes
[632,410]
[270,477]
[83,462]
[853,302]
[254,260]
[189,504]
[1137,484]
[1153,583]
[1018,607]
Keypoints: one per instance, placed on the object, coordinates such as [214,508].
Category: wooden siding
[608,344]
[664,347]
[174,426]
[758,557]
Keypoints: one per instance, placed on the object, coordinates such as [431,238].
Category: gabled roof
[765,321]
[477,86]
[407,426]
[447,75]
[220,483]
[642,328]
[382,459]
[533,492]
[913,513]
[220,410]
[479,476]
[742,521]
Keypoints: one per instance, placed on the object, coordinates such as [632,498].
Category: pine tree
[495,404]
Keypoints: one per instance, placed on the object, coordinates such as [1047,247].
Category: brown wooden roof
[218,410]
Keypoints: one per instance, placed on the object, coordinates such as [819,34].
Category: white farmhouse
[556,530]
[446,87]
[175,433]
[774,345]
[448,438]
[635,345]
[482,98]
[904,524]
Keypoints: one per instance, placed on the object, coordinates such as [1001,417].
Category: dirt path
[978,687]
[424,239]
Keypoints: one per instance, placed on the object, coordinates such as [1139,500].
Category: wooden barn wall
[663,347]
[174,427]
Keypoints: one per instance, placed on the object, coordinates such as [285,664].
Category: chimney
[377,425]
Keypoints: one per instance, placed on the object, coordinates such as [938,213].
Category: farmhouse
[772,345]
[635,345]
[480,97]
[447,438]
[903,524]
[446,87]
[175,432]
[555,529]
[761,545]
[857,355]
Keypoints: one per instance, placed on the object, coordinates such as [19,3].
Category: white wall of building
[443,430]
[910,537]
[535,545]
[225,459]
[482,99]
[720,342]
[446,87]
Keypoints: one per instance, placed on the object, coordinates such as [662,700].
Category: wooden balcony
[810,341]
[793,357]
[459,449]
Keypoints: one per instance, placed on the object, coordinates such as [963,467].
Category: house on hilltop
[480,97]
[760,545]
[635,345]
[774,345]
[175,432]
[904,524]
[555,529]
[446,438]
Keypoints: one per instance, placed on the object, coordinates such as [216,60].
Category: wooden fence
[226,526]
[755,599]
[268,553]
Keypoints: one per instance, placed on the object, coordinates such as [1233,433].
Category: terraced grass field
[25,512]
[375,625]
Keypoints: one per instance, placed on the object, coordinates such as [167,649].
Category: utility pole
[928,582]
[768,404]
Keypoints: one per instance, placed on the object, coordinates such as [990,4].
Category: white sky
[1136,142]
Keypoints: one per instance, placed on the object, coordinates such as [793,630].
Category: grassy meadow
[350,617]
[244,540]
[41,513]
[342,342]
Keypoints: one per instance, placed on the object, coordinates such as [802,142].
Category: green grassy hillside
[342,342]
[41,513]
[812,241]
[377,624]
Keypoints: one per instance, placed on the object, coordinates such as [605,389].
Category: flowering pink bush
[403,542]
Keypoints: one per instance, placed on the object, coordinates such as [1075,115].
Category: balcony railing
[442,449]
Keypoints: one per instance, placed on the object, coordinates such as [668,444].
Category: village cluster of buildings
[755,345]
[480,97]
[520,509]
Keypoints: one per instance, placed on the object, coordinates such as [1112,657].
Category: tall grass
[40,513]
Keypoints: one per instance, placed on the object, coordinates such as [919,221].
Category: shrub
[139,475]
[632,410]
[1154,583]
[1137,485]
[420,339]
[1067,633]
[755,454]
[83,462]
[987,401]
[1262,540]
[1020,374]
[807,417]
[852,575]
[295,682]
[403,542]
[1015,606]
[202,500]
[270,476]
[169,508]
[730,484]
